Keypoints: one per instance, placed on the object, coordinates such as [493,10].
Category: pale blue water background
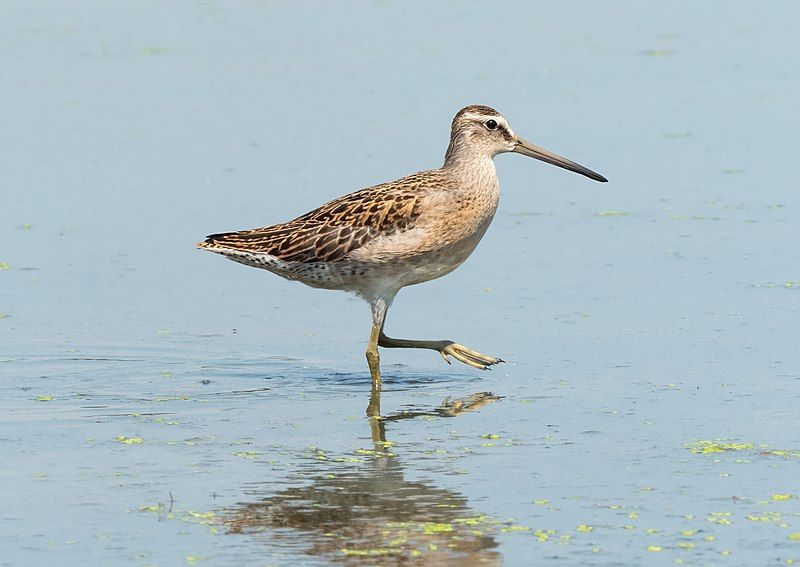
[638,317]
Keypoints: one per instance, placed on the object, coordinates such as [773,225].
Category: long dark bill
[528,149]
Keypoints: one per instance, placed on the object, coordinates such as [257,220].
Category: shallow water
[161,406]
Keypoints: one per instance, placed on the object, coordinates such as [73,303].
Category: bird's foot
[468,356]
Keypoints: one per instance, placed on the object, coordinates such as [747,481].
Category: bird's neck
[472,168]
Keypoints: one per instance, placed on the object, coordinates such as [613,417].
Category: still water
[161,406]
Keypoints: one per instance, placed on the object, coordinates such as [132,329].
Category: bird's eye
[491,124]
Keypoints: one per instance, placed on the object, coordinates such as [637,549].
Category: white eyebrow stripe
[484,117]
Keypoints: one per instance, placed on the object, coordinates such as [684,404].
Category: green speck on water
[129,440]
[166,374]
[732,171]
[4,266]
[612,213]
[163,332]
[515,529]
[247,454]
[434,528]
[705,447]
[779,497]
[677,135]
[153,508]
[192,559]
[3,315]
[27,226]
[373,552]
[44,398]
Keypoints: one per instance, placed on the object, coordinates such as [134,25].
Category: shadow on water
[351,511]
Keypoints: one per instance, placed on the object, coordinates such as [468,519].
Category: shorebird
[378,240]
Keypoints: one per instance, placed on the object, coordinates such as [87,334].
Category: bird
[378,240]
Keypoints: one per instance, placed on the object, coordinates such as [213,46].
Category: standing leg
[379,307]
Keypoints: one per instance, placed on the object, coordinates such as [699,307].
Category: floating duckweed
[44,398]
[721,518]
[433,528]
[584,528]
[705,447]
[688,533]
[153,508]
[515,529]
[541,501]
[795,536]
[129,440]
[192,559]
[654,548]
[247,454]
[781,496]
[685,545]
[470,521]
[4,266]
[490,436]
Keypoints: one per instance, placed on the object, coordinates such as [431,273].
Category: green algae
[247,454]
[129,440]
[705,447]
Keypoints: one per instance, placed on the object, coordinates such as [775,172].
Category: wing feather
[332,231]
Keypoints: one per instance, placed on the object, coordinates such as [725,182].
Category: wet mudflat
[161,406]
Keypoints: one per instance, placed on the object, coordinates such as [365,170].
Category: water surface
[161,406]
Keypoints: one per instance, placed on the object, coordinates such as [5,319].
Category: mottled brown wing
[335,229]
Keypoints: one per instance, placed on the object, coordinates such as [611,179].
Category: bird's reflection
[368,509]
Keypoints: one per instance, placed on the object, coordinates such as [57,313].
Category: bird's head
[483,131]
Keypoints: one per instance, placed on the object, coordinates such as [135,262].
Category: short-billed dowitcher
[381,239]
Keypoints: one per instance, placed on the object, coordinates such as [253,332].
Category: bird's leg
[379,307]
[373,358]
[445,348]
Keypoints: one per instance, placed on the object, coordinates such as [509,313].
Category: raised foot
[468,356]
